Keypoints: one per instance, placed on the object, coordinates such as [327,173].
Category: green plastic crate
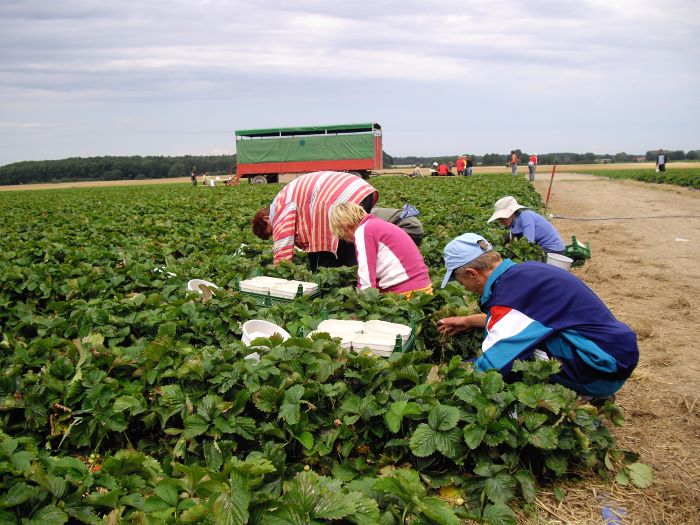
[399,346]
[578,251]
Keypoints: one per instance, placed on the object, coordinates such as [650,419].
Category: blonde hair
[346,216]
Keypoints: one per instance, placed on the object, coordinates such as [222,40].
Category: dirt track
[647,270]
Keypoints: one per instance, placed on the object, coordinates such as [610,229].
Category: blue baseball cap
[462,250]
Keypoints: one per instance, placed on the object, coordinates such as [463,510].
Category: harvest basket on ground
[274,290]
[578,251]
[379,337]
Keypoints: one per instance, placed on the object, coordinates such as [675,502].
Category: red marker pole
[549,191]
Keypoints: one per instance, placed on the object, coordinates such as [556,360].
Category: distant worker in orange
[460,165]
[513,162]
[442,170]
[531,165]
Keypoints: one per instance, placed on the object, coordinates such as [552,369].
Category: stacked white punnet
[341,325]
[384,327]
[277,287]
[346,330]
[379,337]
[290,288]
[375,342]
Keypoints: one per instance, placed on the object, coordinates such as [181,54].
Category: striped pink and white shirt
[301,211]
[387,258]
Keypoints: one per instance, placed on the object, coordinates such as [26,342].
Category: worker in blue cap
[534,310]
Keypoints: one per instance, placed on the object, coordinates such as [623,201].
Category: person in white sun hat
[521,222]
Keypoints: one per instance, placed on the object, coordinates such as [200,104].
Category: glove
[408,211]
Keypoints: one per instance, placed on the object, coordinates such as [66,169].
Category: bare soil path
[647,270]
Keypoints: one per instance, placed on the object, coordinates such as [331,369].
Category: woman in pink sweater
[387,258]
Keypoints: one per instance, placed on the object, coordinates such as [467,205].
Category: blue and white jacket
[533,306]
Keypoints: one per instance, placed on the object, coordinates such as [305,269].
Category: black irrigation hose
[625,218]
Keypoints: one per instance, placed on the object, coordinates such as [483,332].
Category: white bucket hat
[505,207]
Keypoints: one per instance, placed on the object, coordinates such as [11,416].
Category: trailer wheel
[259,179]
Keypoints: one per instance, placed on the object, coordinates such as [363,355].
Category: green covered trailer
[262,155]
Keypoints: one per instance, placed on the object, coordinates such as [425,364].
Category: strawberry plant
[689,177]
[123,397]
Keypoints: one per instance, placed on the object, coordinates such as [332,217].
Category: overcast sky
[172,77]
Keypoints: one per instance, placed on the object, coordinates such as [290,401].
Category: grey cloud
[255,59]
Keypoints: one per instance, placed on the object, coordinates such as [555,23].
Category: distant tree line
[501,159]
[387,159]
[119,168]
[134,168]
[113,168]
[675,155]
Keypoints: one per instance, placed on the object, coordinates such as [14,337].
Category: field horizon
[542,170]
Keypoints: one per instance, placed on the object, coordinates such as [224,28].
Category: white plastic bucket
[258,328]
[194,285]
[560,261]
[202,287]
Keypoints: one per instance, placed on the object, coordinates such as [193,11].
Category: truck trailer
[263,155]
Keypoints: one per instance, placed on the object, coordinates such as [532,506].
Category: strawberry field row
[122,396]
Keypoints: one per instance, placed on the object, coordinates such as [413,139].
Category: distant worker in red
[460,165]
[442,170]
[300,216]
[531,166]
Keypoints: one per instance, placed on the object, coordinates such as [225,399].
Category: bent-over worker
[408,223]
[387,259]
[299,216]
[537,310]
[521,222]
